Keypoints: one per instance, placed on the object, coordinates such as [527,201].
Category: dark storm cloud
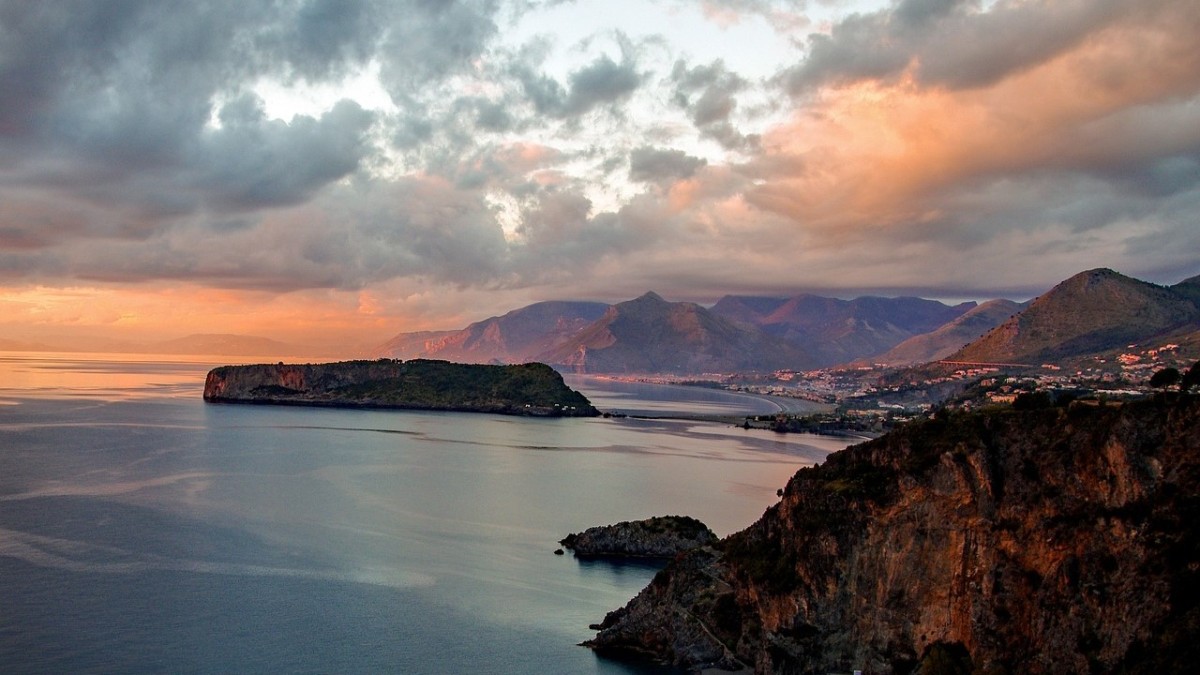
[952,43]
[655,165]
[491,115]
[112,99]
[132,146]
[253,162]
[602,82]
[429,40]
[326,36]
[563,241]
[344,238]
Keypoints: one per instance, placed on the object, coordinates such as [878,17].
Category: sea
[145,531]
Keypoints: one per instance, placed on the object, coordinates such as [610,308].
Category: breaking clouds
[402,150]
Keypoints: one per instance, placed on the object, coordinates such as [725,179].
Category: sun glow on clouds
[354,172]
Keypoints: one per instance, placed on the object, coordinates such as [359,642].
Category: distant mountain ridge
[945,340]
[519,336]
[839,331]
[1091,312]
[650,335]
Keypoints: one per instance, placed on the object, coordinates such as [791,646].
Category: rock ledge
[658,537]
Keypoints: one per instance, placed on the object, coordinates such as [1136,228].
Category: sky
[335,172]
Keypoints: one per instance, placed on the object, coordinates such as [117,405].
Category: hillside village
[876,397]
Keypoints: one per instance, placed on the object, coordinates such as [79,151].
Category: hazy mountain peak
[648,296]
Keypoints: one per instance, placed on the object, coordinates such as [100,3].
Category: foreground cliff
[529,389]
[1005,542]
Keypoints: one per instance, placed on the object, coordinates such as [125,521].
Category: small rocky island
[658,537]
[532,389]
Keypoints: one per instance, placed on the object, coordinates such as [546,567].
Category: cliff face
[1004,542]
[529,389]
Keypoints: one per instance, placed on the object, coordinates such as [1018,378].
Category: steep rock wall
[1003,542]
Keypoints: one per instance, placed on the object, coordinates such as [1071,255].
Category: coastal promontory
[1058,540]
[531,389]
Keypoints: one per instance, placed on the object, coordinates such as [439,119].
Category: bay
[142,530]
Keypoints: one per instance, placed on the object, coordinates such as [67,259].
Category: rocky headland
[658,537]
[1061,540]
[529,389]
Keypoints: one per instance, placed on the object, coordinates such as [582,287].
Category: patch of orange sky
[876,154]
[147,314]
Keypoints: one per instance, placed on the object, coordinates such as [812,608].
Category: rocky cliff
[658,537]
[1057,540]
[529,389]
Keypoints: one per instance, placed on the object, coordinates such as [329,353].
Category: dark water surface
[142,530]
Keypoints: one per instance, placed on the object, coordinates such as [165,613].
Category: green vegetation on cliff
[528,389]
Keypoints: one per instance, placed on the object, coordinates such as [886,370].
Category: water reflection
[100,376]
[143,530]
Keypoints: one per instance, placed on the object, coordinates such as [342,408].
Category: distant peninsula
[532,389]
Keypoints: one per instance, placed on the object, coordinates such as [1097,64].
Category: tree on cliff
[1165,378]
[1191,378]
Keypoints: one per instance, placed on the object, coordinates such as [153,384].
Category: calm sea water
[144,531]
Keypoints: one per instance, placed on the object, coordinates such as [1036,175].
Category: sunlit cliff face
[387,167]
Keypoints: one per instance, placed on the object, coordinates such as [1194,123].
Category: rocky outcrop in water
[658,537]
[529,389]
[1058,540]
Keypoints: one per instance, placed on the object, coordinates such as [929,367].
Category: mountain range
[650,335]
[1092,312]
[838,331]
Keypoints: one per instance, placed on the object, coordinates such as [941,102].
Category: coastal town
[874,398]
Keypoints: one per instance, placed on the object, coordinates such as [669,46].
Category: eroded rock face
[658,537]
[1006,542]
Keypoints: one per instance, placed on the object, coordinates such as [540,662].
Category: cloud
[251,162]
[603,81]
[426,42]
[953,43]
[931,144]
[708,94]
[654,165]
